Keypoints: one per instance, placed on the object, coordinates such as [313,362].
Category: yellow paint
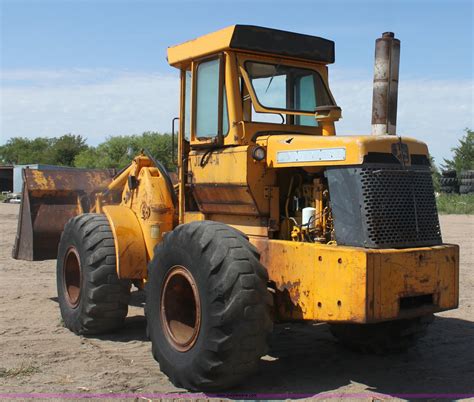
[143,216]
[188,56]
[153,206]
[410,272]
[193,216]
[202,46]
[230,181]
[356,147]
[130,250]
[337,283]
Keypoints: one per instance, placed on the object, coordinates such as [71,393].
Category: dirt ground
[38,355]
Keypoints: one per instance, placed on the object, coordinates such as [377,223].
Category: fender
[130,248]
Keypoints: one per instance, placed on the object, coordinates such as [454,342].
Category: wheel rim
[180,309]
[72,277]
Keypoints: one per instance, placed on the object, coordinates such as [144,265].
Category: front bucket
[50,198]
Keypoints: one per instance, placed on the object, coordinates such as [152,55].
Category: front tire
[383,337]
[91,297]
[208,307]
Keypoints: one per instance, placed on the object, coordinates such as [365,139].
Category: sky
[98,67]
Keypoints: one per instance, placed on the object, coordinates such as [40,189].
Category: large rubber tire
[467,174]
[466,189]
[232,324]
[384,337]
[448,189]
[448,181]
[449,173]
[467,182]
[91,297]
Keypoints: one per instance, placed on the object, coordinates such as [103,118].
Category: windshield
[287,88]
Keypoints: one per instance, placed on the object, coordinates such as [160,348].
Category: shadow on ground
[307,361]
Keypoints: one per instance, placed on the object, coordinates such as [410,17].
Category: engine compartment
[304,204]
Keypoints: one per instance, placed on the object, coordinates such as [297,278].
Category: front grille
[384,206]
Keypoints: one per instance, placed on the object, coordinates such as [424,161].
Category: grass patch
[2,197]
[25,369]
[455,204]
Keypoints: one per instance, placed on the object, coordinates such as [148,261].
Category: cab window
[208,103]
[187,105]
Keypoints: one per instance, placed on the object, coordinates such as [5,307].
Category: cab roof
[254,39]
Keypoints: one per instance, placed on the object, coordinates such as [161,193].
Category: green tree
[435,174]
[117,152]
[71,150]
[463,158]
[65,149]
[159,146]
[20,150]
[54,151]
[89,158]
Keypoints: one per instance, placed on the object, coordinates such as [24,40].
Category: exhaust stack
[385,95]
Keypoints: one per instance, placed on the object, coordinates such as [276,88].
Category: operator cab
[245,81]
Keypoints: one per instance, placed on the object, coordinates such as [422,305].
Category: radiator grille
[384,206]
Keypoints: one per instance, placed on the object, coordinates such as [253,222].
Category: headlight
[258,153]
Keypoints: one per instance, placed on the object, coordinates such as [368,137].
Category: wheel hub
[72,277]
[180,309]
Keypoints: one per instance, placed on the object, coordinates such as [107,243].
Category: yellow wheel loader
[272,217]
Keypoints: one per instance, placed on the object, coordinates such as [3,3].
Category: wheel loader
[271,217]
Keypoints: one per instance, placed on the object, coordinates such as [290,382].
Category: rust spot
[285,308]
[50,199]
[293,289]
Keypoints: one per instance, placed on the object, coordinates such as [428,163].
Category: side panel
[402,279]
[228,181]
[349,284]
[316,282]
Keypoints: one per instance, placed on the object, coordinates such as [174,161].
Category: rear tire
[384,337]
[467,174]
[466,189]
[91,297]
[449,173]
[208,306]
[448,189]
[448,181]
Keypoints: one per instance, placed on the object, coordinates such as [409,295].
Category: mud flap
[49,199]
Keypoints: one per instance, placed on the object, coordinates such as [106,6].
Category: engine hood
[308,150]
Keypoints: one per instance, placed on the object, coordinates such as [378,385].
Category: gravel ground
[38,355]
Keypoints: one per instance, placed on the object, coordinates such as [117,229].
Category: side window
[207,100]
[225,115]
[305,99]
[187,105]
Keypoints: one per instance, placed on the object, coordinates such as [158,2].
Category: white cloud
[92,103]
[100,102]
[433,111]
